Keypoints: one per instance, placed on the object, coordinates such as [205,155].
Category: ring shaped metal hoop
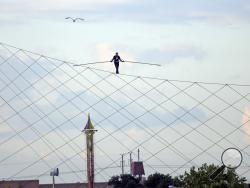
[241,158]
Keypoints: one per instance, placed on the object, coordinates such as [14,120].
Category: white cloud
[105,51]
[246,121]
[4,129]
[57,4]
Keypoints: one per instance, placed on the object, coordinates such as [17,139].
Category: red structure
[137,168]
[89,132]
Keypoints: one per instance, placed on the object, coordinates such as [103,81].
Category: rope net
[176,124]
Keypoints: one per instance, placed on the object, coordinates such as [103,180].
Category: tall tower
[89,132]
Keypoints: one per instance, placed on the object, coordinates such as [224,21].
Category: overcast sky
[190,39]
[197,40]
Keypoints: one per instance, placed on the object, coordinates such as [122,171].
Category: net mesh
[176,124]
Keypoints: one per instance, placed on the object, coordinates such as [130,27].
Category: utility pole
[53,181]
[122,163]
[138,154]
[130,162]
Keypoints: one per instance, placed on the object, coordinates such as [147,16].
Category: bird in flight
[75,19]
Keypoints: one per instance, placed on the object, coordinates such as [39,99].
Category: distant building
[75,185]
[20,184]
[35,184]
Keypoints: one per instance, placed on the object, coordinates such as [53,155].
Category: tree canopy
[124,181]
[193,178]
[200,177]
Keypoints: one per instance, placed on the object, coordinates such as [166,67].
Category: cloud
[104,51]
[57,4]
[167,11]
[22,12]
[164,11]
[246,121]
[73,4]
[171,53]
[4,129]
[195,115]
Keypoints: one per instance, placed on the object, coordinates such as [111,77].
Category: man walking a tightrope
[116,60]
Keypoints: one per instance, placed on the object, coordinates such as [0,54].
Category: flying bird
[75,19]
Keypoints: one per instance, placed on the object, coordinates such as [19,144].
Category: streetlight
[54,172]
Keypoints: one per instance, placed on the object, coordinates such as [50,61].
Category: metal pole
[130,162]
[138,154]
[152,64]
[53,179]
[122,164]
[91,63]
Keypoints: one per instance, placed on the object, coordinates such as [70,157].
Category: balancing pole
[91,63]
[137,62]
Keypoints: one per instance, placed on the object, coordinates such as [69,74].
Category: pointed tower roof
[89,124]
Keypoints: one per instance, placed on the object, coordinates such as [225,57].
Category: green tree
[194,178]
[158,180]
[178,181]
[124,181]
[115,181]
[199,178]
[154,180]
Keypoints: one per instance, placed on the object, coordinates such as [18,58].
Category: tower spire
[89,124]
[89,133]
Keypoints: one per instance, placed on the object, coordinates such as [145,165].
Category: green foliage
[159,181]
[154,180]
[167,180]
[178,181]
[124,181]
[194,178]
[115,181]
[200,178]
